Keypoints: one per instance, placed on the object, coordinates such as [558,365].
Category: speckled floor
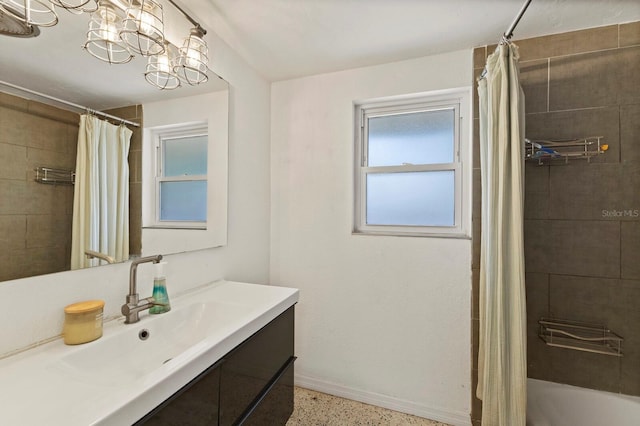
[318,409]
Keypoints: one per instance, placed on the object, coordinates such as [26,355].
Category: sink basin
[119,378]
[149,345]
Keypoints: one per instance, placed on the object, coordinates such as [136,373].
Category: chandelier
[117,31]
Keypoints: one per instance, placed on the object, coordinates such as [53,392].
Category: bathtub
[554,404]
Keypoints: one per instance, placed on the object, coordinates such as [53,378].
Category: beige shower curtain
[101,193]
[502,364]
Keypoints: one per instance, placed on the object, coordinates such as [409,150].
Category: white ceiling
[284,39]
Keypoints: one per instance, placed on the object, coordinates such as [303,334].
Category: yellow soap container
[83,322]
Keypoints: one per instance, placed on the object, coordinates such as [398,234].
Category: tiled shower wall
[582,220]
[35,219]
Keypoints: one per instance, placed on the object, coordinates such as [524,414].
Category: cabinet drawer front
[195,404]
[276,406]
[249,368]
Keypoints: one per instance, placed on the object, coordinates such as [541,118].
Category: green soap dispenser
[160,290]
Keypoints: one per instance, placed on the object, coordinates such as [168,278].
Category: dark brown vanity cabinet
[251,385]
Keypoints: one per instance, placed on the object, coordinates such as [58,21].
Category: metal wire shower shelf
[580,336]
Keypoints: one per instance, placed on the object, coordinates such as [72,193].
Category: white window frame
[457,99]
[158,136]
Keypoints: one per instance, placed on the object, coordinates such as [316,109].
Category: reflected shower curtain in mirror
[101,193]
[502,366]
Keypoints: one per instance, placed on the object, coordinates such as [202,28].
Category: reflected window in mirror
[181,177]
[180,121]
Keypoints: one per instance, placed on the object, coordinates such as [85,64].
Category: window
[410,166]
[181,177]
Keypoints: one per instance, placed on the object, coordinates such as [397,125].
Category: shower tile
[569,43]
[592,300]
[475,342]
[630,133]
[534,78]
[135,218]
[13,263]
[630,34]
[136,141]
[135,166]
[476,211]
[537,287]
[476,143]
[476,220]
[630,194]
[29,262]
[475,242]
[46,261]
[48,230]
[536,245]
[594,79]
[13,102]
[584,299]
[131,112]
[475,293]
[13,229]
[538,358]
[630,248]
[585,369]
[13,194]
[561,125]
[39,157]
[14,161]
[41,198]
[627,74]
[583,81]
[46,134]
[12,126]
[630,377]
[474,85]
[536,189]
[588,191]
[536,206]
[586,248]
[538,361]
[476,404]
[53,113]
[479,56]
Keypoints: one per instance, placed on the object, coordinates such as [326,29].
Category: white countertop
[118,378]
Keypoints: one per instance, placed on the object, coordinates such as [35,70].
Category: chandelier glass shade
[118,29]
[143,27]
[192,62]
[103,37]
[32,12]
[159,72]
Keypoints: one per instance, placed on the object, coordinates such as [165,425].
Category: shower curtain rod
[71,104]
[509,33]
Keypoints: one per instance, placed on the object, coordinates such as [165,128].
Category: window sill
[454,235]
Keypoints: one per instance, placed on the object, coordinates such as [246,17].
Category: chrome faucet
[131,310]
[91,254]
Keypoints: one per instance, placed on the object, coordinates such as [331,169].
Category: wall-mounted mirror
[35,218]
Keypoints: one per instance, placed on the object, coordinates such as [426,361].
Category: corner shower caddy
[544,152]
[580,336]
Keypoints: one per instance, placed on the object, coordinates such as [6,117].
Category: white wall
[31,309]
[384,320]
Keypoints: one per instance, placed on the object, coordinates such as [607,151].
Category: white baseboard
[455,418]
